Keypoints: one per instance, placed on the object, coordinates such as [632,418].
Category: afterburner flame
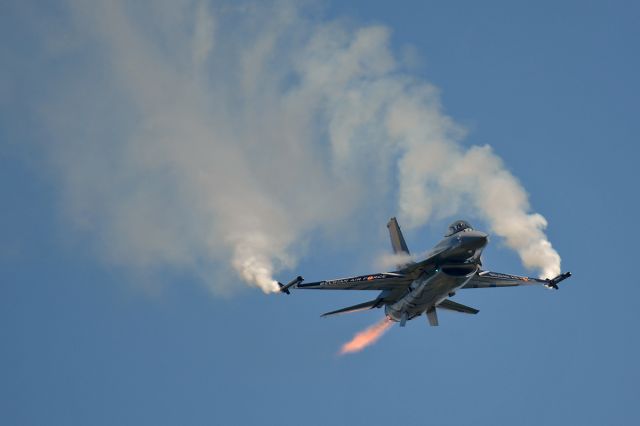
[366,337]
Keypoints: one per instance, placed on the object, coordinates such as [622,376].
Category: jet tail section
[397,240]
[354,308]
[398,244]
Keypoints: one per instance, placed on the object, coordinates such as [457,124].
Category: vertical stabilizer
[398,244]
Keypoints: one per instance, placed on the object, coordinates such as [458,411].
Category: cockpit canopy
[458,226]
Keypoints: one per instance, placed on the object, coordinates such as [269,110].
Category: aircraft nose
[476,240]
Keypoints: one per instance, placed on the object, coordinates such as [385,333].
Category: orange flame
[366,337]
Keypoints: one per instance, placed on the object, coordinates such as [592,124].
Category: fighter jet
[417,288]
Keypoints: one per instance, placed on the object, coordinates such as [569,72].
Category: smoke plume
[191,135]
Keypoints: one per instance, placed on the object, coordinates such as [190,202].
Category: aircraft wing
[381,281]
[487,279]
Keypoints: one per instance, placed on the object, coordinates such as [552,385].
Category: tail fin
[398,244]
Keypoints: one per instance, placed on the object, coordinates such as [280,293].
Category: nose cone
[475,240]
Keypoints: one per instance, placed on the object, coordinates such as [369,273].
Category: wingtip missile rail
[285,288]
[553,283]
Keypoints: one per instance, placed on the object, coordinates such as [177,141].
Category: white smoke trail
[188,133]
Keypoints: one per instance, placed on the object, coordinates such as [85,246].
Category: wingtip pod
[553,283]
[285,288]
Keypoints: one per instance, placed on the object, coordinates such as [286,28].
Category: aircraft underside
[423,287]
[428,291]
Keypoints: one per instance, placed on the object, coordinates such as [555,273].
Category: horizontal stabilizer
[453,306]
[354,308]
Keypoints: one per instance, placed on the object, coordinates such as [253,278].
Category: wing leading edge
[381,281]
[488,279]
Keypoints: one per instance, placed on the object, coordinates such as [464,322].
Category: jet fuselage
[458,260]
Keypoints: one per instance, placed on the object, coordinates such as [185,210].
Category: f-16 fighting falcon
[417,288]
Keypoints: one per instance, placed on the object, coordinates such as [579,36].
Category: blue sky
[88,338]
